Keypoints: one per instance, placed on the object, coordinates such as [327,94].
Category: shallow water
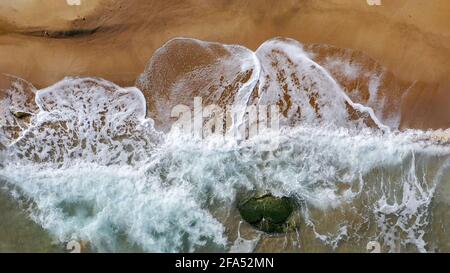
[385,189]
[18,233]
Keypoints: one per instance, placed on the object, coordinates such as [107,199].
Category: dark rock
[21,115]
[267,213]
[64,34]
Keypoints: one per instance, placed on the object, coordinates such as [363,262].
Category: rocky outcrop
[268,213]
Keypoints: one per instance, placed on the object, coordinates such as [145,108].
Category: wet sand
[18,233]
[44,41]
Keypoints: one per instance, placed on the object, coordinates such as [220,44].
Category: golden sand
[43,41]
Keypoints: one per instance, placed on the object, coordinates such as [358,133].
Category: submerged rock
[267,213]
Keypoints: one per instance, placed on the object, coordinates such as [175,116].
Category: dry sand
[43,41]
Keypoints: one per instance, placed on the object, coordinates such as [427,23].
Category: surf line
[188,263]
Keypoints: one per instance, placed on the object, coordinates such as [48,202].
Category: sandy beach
[44,41]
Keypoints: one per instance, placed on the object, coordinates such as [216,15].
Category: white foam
[241,245]
[87,119]
[115,208]
[94,168]
[349,70]
[313,96]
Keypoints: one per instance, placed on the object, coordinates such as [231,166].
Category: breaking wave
[87,164]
